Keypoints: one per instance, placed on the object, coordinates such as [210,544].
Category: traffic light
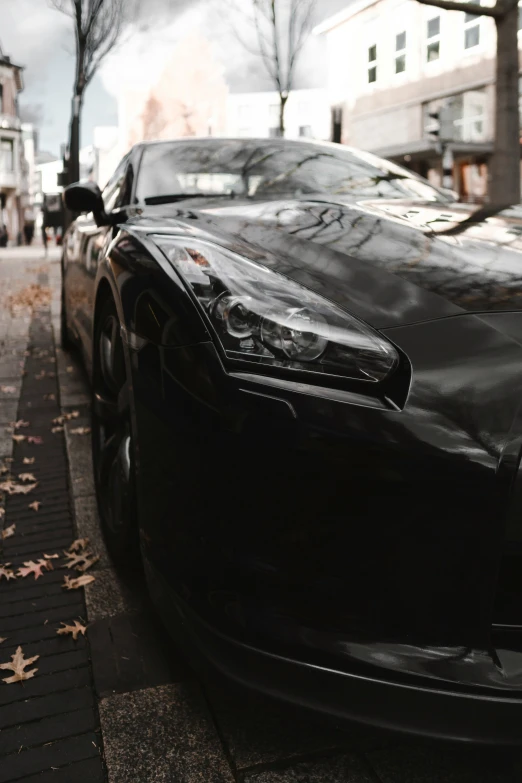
[440,129]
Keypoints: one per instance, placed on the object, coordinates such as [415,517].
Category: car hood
[389,262]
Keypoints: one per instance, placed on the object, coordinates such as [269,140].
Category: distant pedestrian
[3,235]
[44,238]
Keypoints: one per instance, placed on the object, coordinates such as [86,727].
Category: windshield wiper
[172,197]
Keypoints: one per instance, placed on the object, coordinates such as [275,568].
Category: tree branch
[467,8]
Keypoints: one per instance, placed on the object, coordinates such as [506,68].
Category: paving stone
[38,732]
[161,734]
[108,597]
[426,762]
[44,706]
[258,730]
[34,760]
[336,769]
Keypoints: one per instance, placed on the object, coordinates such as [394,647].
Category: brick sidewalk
[49,726]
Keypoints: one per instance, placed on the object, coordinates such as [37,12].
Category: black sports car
[307,382]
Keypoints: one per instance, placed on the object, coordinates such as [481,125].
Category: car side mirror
[86,197]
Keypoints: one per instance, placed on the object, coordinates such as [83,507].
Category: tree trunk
[284,99]
[504,179]
[73,169]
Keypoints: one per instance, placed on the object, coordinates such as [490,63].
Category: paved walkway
[120,705]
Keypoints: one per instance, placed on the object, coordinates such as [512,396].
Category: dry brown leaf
[19,438]
[51,557]
[70,369]
[3,639]
[66,417]
[77,545]
[54,430]
[80,431]
[2,512]
[26,477]
[40,376]
[32,297]
[3,470]
[36,505]
[16,425]
[28,460]
[7,572]
[18,665]
[81,562]
[36,439]
[49,396]
[59,420]
[8,532]
[12,488]
[8,389]
[35,568]
[74,630]
[80,581]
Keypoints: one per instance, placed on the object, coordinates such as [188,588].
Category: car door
[86,246]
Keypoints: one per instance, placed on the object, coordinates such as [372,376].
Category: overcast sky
[39,38]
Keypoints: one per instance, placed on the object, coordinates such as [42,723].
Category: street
[119,703]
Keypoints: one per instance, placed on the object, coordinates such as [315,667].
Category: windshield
[259,169]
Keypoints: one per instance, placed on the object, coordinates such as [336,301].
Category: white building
[307,113]
[393,62]
[11,153]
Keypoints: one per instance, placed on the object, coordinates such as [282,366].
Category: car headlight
[262,317]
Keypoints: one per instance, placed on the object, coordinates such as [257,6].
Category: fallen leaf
[28,460]
[18,666]
[59,420]
[51,557]
[16,489]
[3,639]
[35,568]
[36,505]
[36,439]
[3,470]
[70,369]
[8,532]
[26,477]
[19,438]
[49,396]
[20,423]
[8,389]
[40,376]
[2,512]
[74,630]
[7,572]
[80,581]
[80,562]
[66,417]
[80,431]
[77,545]
[54,430]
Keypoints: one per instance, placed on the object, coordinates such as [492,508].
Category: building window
[433,39]
[6,155]
[1,98]
[400,52]
[471,31]
[372,63]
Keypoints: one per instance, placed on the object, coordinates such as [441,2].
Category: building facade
[392,63]
[307,114]
[12,170]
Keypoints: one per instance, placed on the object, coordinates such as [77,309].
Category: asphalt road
[149,716]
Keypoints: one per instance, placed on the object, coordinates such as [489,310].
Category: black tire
[112,445]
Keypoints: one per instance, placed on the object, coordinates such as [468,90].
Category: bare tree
[97,26]
[504,172]
[281,28]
